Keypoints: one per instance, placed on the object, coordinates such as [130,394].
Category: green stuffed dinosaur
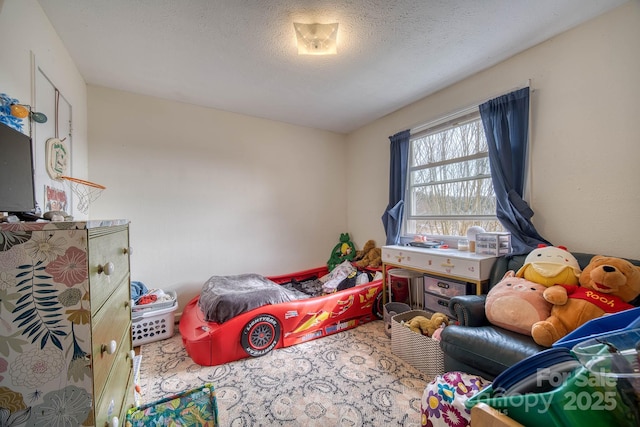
[343,251]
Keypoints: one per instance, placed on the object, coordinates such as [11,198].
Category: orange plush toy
[607,285]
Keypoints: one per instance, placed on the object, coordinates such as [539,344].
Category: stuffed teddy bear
[550,265]
[343,251]
[607,284]
[425,326]
[369,256]
[516,303]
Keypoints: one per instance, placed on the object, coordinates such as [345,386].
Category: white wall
[214,193]
[585,148]
[25,29]
[210,192]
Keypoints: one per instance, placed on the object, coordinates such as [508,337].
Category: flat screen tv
[16,171]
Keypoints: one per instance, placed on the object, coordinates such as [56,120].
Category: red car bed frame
[258,331]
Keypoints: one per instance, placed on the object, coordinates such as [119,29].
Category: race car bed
[295,311]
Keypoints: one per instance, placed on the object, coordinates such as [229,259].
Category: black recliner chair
[475,346]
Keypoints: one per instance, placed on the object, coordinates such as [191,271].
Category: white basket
[173,296]
[153,325]
[420,351]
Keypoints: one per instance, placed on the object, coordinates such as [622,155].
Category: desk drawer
[434,302]
[450,262]
[447,287]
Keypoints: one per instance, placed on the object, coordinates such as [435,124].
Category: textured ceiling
[240,55]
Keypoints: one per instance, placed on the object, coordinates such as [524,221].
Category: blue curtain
[506,125]
[392,217]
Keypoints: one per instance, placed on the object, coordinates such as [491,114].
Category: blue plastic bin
[610,323]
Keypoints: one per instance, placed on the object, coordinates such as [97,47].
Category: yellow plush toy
[550,265]
[369,256]
[425,326]
[607,285]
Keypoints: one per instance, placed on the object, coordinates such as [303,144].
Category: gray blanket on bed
[224,297]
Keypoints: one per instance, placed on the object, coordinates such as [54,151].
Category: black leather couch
[477,347]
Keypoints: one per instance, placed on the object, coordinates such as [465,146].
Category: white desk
[445,263]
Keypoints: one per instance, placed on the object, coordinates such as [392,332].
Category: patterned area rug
[348,379]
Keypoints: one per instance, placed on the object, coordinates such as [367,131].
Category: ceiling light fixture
[316,39]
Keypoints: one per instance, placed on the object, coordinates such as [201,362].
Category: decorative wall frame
[56,157]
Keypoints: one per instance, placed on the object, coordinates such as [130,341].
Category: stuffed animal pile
[550,297]
[607,285]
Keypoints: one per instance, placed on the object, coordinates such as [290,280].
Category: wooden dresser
[65,322]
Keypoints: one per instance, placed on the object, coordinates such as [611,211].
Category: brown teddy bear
[425,326]
[369,256]
[607,284]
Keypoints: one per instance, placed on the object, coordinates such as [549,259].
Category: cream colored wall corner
[30,41]
[585,149]
[212,193]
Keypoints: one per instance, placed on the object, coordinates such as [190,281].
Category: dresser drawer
[108,325]
[446,287]
[117,390]
[108,263]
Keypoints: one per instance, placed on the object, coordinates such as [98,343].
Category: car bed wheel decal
[260,335]
[378,306]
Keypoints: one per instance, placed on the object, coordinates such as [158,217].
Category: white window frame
[451,121]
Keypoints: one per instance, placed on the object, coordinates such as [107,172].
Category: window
[449,185]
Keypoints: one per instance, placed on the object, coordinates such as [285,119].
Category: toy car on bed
[259,330]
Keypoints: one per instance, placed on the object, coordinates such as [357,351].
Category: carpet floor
[348,379]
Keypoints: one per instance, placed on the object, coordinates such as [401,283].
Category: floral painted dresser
[65,324]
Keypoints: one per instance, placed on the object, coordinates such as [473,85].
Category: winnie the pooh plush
[550,265]
[607,284]
[425,326]
[516,303]
[369,256]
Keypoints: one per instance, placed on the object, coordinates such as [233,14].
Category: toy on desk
[550,265]
[607,285]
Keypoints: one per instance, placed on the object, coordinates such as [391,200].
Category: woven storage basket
[421,352]
[390,310]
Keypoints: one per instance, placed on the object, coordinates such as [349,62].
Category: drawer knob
[107,269]
[128,250]
[109,348]
[115,422]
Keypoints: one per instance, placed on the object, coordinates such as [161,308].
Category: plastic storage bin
[153,325]
[493,243]
[551,388]
[617,322]
[615,355]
